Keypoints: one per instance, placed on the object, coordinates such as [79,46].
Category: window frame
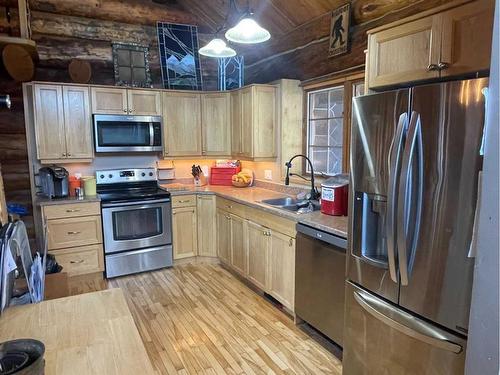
[348,83]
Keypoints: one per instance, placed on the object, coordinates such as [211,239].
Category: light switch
[268,174]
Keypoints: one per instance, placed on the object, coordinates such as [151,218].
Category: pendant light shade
[217,48]
[247,31]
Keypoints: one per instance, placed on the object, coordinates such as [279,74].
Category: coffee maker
[54,181]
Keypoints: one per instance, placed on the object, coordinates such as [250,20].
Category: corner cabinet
[223,236]
[216,132]
[254,122]
[452,42]
[62,122]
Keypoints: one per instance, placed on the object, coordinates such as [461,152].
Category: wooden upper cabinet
[144,102]
[466,38]
[259,241]
[404,53]
[49,122]
[77,122]
[247,122]
[207,225]
[264,122]
[109,101]
[216,116]
[236,138]
[182,124]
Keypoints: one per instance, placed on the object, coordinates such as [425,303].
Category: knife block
[201,180]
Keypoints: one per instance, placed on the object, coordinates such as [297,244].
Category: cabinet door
[109,101]
[258,254]
[264,122]
[466,38]
[247,122]
[216,133]
[49,122]
[238,245]
[184,232]
[282,269]
[224,236]
[206,225]
[77,122]
[236,123]
[404,53]
[144,102]
[182,124]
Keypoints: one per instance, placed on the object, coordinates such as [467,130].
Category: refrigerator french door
[415,162]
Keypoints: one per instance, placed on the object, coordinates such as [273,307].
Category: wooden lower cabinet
[74,231]
[259,241]
[207,225]
[81,260]
[238,244]
[282,269]
[184,232]
[223,236]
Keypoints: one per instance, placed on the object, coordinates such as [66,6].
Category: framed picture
[339,30]
[230,73]
[179,59]
[131,65]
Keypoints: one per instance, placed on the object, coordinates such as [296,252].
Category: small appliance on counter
[54,181]
[334,195]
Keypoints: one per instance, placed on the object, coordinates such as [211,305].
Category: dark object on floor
[22,357]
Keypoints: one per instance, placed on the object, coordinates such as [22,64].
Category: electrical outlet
[268,174]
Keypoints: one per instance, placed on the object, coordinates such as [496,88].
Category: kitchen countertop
[252,196]
[44,201]
[92,333]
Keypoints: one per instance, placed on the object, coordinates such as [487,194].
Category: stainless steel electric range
[136,220]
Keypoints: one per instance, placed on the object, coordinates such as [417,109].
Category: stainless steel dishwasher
[320,280]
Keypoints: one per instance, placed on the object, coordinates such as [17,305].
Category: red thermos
[334,194]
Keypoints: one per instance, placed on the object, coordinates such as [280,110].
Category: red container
[334,194]
[73,184]
[222,175]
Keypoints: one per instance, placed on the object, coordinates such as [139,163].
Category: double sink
[289,204]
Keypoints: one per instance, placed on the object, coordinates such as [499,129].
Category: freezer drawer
[379,338]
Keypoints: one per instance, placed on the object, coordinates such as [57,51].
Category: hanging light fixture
[217,48]
[247,31]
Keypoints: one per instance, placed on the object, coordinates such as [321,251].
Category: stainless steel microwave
[121,133]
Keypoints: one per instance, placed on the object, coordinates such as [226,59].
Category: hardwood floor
[200,319]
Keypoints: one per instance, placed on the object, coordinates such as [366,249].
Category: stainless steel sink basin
[280,202]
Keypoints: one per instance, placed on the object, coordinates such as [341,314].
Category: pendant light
[247,31]
[217,48]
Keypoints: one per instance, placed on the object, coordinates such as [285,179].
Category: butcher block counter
[92,333]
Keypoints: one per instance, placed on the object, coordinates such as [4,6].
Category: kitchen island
[91,333]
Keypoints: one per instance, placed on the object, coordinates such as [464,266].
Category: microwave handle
[151,134]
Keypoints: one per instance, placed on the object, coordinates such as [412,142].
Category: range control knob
[101,176]
[143,174]
[151,174]
[110,175]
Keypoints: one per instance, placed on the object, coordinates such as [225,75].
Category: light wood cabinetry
[238,244]
[144,102]
[182,124]
[75,236]
[109,101]
[223,236]
[183,201]
[62,123]
[282,269]
[184,232]
[259,241]
[216,132]
[207,225]
[256,127]
[450,42]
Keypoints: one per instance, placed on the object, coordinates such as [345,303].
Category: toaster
[54,181]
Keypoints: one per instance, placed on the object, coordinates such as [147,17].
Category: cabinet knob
[432,67]
[443,65]
[125,110]
[64,154]
[69,154]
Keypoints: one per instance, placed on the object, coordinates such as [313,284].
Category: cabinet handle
[125,110]
[432,67]
[76,261]
[443,65]
[72,210]
[131,110]
[73,232]
[64,154]
[228,217]
[69,154]
[229,206]
[184,201]
[290,242]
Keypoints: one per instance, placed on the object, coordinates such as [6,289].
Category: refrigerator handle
[394,168]
[405,323]
[413,148]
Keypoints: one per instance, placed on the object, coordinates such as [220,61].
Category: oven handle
[136,203]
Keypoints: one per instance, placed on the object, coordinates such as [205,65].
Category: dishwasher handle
[322,236]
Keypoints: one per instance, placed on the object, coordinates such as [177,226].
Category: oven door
[136,225]
[115,133]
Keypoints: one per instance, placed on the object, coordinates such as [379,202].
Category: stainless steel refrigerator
[415,161]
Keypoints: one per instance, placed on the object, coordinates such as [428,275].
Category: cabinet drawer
[77,231]
[183,201]
[81,260]
[232,207]
[72,210]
